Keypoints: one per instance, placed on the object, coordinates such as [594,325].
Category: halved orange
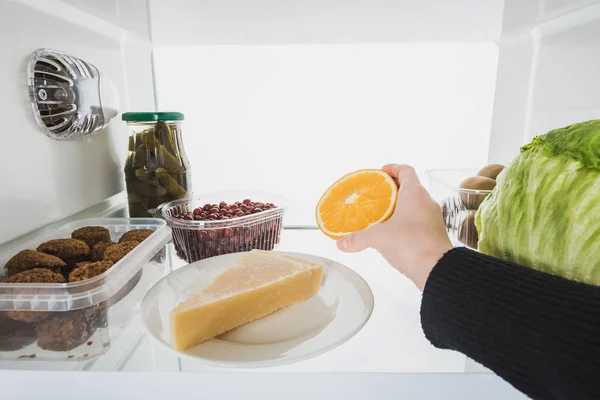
[355,202]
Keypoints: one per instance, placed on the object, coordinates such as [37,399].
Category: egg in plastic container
[459,205]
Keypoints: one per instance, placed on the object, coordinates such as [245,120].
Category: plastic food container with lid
[459,206]
[157,169]
[196,240]
[80,320]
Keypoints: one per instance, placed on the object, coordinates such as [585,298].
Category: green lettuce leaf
[545,210]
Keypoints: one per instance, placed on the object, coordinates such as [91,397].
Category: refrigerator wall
[289,96]
[547,70]
[43,179]
[217,22]
[286,96]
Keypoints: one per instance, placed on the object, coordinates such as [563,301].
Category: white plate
[339,310]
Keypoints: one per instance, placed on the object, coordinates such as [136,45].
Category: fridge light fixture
[70,98]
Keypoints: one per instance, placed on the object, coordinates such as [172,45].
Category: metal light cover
[70,98]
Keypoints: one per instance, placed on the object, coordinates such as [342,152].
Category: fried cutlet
[30,259]
[136,235]
[92,235]
[117,251]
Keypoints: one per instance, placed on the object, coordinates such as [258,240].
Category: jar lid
[152,116]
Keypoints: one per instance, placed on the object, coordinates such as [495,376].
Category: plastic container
[459,206]
[157,169]
[197,240]
[82,319]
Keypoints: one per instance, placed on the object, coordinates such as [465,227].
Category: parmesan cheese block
[257,284]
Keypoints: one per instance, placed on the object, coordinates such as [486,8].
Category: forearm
[539,332]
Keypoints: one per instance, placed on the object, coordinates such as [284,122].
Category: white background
[291,119]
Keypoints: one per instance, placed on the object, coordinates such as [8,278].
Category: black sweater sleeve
[539,332]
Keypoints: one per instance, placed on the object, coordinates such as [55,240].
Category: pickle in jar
[156,169]
[164,133]
[147,176]
[147,189]
[173,187]
[140,159]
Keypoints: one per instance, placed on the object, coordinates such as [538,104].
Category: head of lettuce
[545,210]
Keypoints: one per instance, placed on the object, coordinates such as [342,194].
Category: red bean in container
[222,223]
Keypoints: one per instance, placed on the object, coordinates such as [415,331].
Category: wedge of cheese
[257,284]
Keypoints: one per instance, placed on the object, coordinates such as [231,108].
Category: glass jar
[157,169]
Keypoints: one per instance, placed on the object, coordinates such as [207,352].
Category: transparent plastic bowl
[459,206]
[83,319]
[197,240]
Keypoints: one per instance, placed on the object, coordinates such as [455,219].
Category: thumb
[354,242]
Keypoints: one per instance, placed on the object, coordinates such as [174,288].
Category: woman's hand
[414,238]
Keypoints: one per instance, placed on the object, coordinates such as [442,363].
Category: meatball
[81,264]
[30,259]
[117,251]
[64,331]
[66,249]
[71,251]
[36,275]
[28,316]
[98,250]
[89,270]
[92,235]
[15,335]
[136,235]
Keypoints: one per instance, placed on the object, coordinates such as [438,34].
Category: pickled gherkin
[140,157]
[166,159]
[165,136]
[173,187]
[149,190]
[148,138]
[147,176]
[134,198]
[131,145]
[137,209]
[156,169]
[154,202]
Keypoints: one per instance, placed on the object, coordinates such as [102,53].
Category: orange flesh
[356,202]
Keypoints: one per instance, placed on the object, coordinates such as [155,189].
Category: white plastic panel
[566,83]
[191,22]
[132,15]
[554,8]
[547,73]
[292,119]
[105,9]
[235,385]
[45,179]
[511,103]
[520,15]
[137,64]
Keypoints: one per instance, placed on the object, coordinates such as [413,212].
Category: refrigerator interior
[44,179]
[286,96]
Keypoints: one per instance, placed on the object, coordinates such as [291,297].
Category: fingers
[355,242]
[402,173]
